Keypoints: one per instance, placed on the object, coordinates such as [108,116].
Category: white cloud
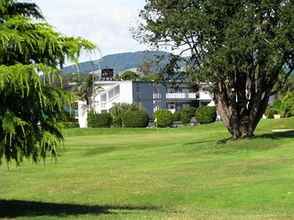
[105,22]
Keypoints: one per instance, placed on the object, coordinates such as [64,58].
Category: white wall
[126,92]
[83,114]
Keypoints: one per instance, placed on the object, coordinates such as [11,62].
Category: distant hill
[123,61]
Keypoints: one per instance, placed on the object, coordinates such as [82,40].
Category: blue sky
[105,22]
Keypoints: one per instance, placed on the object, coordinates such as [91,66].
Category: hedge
[118,110]
[66,125]
[164,118]
[135,119]
[270,113]
[206,114]
[177,116]
[103,120]
[187,113]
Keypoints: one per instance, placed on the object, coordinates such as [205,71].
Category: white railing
[103,105]
[181,95]
[204,95]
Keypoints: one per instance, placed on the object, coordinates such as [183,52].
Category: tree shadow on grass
[273,136]
[277,135]
[18,208]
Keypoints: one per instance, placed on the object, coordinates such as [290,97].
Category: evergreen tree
[30,54]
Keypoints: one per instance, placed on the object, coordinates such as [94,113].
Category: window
[111,94]
[117,90]
[172,106]
[103,97]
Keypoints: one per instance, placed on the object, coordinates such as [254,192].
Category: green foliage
[187,113]
[239,48]
[118,110]
[66,125]
[164,118]
[283,106]
[135,119]
[205,114]
[32,99]
[130,75]
[96,120]
[177,116]
[153,77]
[287,105]
[270,112]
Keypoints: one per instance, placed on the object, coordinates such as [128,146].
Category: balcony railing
[204,95]
[181,95]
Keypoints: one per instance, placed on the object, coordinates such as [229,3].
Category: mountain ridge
[122,61]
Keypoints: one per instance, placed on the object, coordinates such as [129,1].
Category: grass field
[186,173]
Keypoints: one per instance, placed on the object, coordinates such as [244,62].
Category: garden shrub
[177,116]
[287,105]
[66,125]
[164,118]
[118,110]
[187,113]
[270,113]
[206,114]
[135,119]
[103,120]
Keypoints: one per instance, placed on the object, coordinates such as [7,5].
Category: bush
[177,116]
[287,105]
[187,114]
[118,110]
[95,120]
[270,113]
[66,125]
[135,119]
[206,114]
[164,118]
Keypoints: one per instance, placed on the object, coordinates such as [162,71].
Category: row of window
[111,94]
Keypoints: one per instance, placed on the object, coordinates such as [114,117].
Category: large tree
[31,99]
[243,48]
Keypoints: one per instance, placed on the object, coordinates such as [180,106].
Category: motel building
[150,95]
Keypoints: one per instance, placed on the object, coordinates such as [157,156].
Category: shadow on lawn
[16,208]
[277,135]
[273,136]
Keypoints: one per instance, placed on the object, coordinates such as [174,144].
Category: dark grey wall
[143,95]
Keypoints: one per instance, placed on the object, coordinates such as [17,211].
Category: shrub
[270,113]
[164,118]
[287,105]
[135,119]
[187,113]
[177,116]
[95,120]
[118,110]
[206,114]
[66,125]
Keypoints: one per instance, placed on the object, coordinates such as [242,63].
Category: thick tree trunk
[239,117]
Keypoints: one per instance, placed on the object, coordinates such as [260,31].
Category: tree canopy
[31,97]
[242,48]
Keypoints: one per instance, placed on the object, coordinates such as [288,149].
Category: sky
[107,23]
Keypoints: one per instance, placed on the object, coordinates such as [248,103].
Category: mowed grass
[186,173]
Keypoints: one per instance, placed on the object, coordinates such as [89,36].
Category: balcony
[181,96]
[204,95]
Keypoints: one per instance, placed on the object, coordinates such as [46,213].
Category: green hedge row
[123,115]
[131,116]
[163,118]
[135,119]
[103,120]
[206,114]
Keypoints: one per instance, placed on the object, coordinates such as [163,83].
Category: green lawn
[186,173]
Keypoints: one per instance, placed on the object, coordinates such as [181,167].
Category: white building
[152,96]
